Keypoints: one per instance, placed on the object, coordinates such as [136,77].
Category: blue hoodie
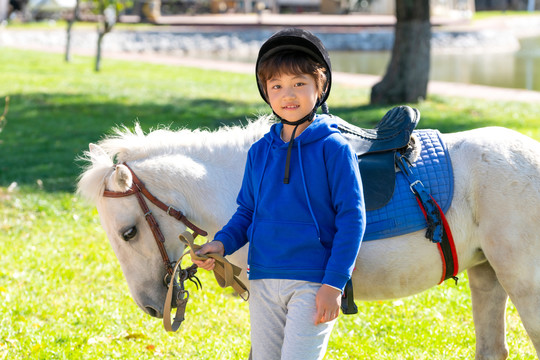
[311,228]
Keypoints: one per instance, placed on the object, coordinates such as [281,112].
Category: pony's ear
[96,153]
[96,149]
[122,178]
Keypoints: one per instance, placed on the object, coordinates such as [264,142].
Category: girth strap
[438,229]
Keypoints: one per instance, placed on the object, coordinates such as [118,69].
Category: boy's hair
[292,63]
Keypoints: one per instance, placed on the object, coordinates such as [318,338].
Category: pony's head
[196,172]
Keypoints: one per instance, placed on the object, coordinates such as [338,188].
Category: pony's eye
[129,233]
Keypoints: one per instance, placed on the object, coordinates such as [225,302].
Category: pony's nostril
[151,311]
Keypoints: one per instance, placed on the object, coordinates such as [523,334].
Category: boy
[300,206]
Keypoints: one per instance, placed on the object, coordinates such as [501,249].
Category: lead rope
[181,302]
[226,275]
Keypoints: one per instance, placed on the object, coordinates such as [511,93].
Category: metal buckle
[414,184]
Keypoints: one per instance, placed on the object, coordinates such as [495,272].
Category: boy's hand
[328,302]
[211,247]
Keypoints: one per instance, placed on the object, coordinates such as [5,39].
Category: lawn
[62,293]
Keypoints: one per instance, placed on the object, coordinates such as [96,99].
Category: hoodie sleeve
[234,234]
[350,221]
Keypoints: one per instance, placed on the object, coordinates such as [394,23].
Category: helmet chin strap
[309,117]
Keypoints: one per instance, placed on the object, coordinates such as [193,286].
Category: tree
[107,12]
[407,75]
[71,21]
[107,19]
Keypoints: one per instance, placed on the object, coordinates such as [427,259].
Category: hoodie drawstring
[306,190]
[308,117]
[288,161]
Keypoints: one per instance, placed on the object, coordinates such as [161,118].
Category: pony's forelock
[91,183]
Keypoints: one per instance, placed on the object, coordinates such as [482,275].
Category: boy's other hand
[328,302]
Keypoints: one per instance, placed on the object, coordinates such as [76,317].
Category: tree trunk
[71,21]
[107,19]
[101,35]
[407,75]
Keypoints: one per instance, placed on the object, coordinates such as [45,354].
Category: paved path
[521,25]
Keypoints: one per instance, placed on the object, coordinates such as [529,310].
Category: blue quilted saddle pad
[402,214]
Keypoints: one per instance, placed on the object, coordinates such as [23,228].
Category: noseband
[140,191]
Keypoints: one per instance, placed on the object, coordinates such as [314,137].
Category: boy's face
[292,96]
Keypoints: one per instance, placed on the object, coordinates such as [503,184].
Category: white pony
[494,216]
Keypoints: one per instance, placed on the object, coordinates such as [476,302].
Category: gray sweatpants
[283,321]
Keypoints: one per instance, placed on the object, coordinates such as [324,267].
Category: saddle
[390,147]
[376,151]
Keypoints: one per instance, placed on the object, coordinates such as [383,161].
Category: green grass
[62,294]
[480,15]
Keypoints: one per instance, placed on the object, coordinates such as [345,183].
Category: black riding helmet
[296,40]
[300,40]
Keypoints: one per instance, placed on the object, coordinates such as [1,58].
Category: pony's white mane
[125,145]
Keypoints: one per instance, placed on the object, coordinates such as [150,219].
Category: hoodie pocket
[287,245]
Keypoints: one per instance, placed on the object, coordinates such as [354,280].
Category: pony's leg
[524,291]
[528,307]
[517,266]
[489,307]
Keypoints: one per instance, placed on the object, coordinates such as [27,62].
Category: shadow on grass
[46,133]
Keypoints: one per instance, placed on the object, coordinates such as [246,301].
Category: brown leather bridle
[229,276]
[174,285]
[140,191]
